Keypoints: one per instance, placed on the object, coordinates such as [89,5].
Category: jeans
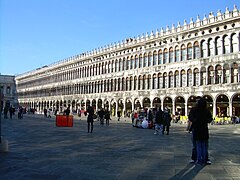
[194,147]
[201,150]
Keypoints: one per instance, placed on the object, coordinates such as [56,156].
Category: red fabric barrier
[64,121]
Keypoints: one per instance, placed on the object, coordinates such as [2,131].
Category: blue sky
[34,33]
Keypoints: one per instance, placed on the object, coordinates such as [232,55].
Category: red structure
[64,121]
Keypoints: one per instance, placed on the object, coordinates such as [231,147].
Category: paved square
[40,150]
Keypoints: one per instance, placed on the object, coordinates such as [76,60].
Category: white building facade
[8,93]
[166,68]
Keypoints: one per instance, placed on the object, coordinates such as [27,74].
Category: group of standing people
[11,111]
[162,121]
[102,114]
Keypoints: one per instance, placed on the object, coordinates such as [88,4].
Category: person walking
[159,122]
[199,117]
[166,121]
[11,111]
[119,115]
[107,117]
[101,114]
[90,112]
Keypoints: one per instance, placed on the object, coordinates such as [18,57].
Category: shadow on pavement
[188,172]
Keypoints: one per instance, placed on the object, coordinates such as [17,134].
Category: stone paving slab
[40,150]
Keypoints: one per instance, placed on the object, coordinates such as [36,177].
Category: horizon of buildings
[168,68]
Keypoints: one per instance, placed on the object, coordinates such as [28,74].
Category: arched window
[8,90]
[150,59]
[218,46]
[147,85]
[177,54]
[226,74]
[171,79]
[234,73]
[128,64]
[154,58]
[204,48]
[189,78]
[119,84]
[131,83]
[176,79]
[140,61]
[135,83]
[116,66]
[165,80]
[145,62]
[160,81]
[189,51]
[132,62]
[210,47]
[154,83]
[144,82]
[171,55]
[183,53]
[124,64]
[196,77]
[218,74]
[140,82]
[136,62]
[165,56]
[123,84]
[210,75]
[203,77]
[234,40]
[112,67]
[120,67]
[183,79]
[226,45]
[109,67]
[196,50]
[127,84]
[160,56]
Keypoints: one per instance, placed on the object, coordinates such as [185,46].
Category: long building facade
[8,93]
[166,68]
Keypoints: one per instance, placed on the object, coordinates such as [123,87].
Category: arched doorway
[128,106]
[137,104]
[156,102]
[222,105]
[180,106]
[236,105]
[209,101]
[146,103]
[120,106]
[113,108]
[99,104]
[167,103]
[106,105]
[94,104]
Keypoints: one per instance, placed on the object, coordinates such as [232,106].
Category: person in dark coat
[90,112]
[67,111]
[107,117]
[101,114]
[167,121]
[119,115]
[200,116]
[159,122]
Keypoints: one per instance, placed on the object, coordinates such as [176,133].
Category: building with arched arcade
[166,68]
